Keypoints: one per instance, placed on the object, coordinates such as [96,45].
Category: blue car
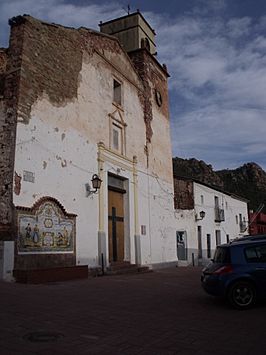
[238,271]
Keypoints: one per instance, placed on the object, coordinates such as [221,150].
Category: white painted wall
[156,213]
[232,206]
[59,146]
[186,219]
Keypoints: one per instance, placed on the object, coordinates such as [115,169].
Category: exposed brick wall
[258,223]
[51,62]
[142,66]
[184,197]
[8,120]
[3,62]
[154,77]
[159,82]
[95,41]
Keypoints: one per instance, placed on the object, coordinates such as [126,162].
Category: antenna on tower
[128,9]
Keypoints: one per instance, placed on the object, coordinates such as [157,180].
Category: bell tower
[133,32]
[138,39]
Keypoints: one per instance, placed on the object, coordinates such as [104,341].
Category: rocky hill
[248,181]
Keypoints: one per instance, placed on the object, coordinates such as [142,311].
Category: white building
[80,103]
[206,217]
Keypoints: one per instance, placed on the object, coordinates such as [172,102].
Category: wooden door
[116,226]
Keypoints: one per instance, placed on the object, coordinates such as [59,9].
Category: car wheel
[242,295]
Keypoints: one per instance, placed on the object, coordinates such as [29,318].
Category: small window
[226,205]
[143,230]
[218,237]
[208,246]
[117,132]
[199,242]
[117,93]
[227,238]
[236,219]
[202,199]
[116,139]
[216,201]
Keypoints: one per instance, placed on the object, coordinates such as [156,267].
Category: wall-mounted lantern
[96,184]
[201,215]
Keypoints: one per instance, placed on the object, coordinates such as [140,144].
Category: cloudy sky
[215,51]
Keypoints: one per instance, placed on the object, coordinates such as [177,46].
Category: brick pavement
[164,312]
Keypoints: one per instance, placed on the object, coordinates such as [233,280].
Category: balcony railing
[219,214]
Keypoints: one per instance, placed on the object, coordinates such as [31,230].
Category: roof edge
[129,15]
[213,187]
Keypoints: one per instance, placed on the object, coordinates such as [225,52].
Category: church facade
[77,108]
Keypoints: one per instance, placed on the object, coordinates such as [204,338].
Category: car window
[256,254]
[222,255]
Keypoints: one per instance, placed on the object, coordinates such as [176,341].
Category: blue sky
[215,51]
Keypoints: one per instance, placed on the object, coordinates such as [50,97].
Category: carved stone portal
[45,228]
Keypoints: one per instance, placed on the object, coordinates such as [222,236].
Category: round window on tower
[158,98]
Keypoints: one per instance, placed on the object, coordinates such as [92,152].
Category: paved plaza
[164,312]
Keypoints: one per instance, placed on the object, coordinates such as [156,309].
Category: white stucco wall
[156,213]
[59,146]
[186,220]
[232,206]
